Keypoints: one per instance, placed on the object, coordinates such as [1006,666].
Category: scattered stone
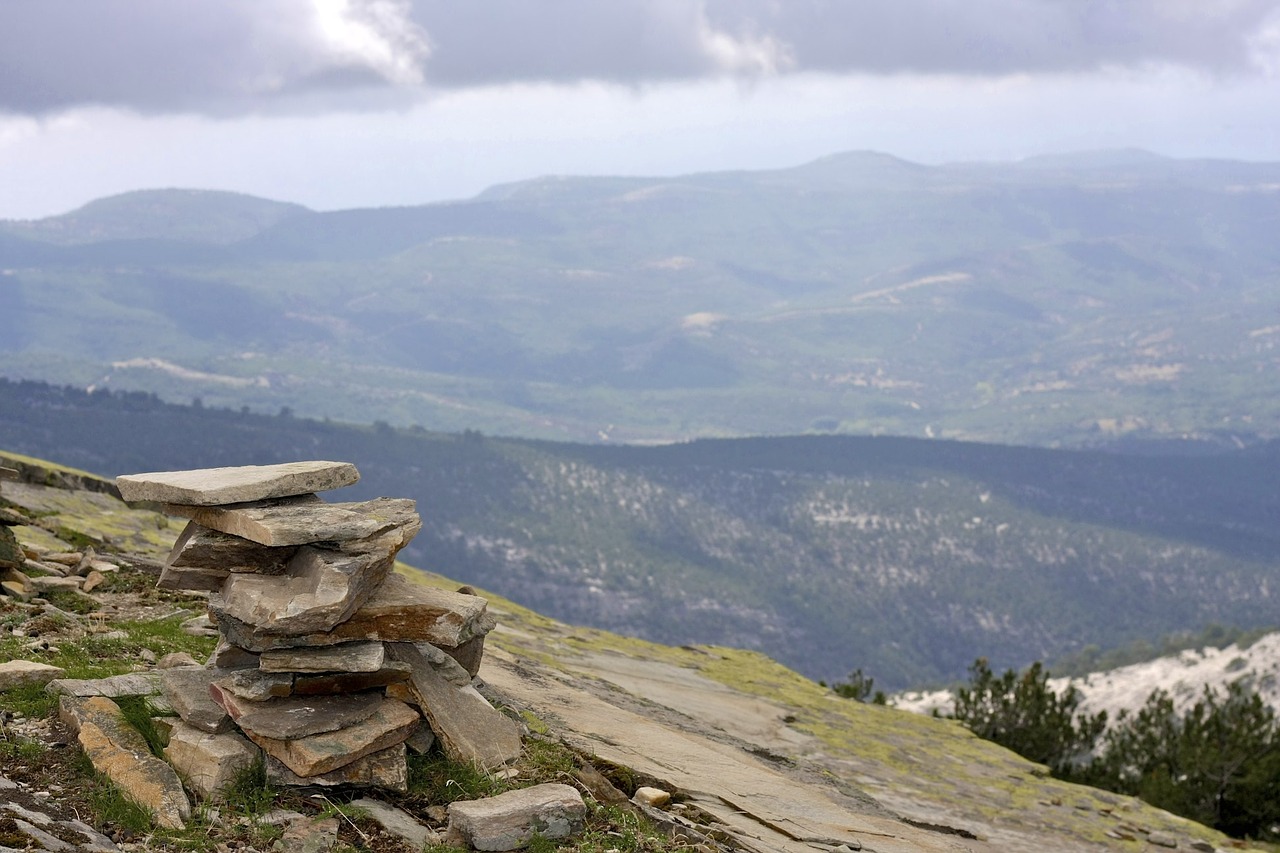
[387,769]
[208,762]
[652,797]
[92,581]
[348,657]
[174,660]
[599,786]
[469,728]
[296,521]
[389,725]
[25,673]
[199,626]
[17,590]
[187,689]
[213,486]
[509,821]
[118,751]
[11,555]
[397,822]
[68,558]
[55,584]
[309,836]
[1162,839]
[1203,846]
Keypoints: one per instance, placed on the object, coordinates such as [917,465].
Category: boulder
[208,762]
[214,486]
[509,821]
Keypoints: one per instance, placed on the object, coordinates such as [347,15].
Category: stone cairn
[329,664]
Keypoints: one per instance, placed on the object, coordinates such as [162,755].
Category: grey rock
[174,660]
[361,656]
[509,821]
[469,728]
[55,584]
[295,717]
[387,769]
[129,684]
[253,685]
[318,835]
[399,611]
[397,822]
[209,762]
[422,739]
[213,486]
[1162,839]
[302,521]
[187,690]
[25,673]
[228,656]
[389,725]
[200,546]
[392,672]
[321,587]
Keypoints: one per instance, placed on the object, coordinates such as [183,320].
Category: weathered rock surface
[389,725]
[293,717]
[392,672]
[397,822]
[299,521]
[509,821]
[253,685]
[11,555]
[209,762]
[360,656]
[25,673]
[187,690]
[315,835]
[213,486]
[399,611]
[228,656]
[117,750]
[321,587]
[469,728]
[129,684]
[387,769]
[202,551]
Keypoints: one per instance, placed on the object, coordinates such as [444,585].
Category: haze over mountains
[1056,301]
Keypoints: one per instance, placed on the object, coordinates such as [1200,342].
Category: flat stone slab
[387,769]
[299,521]
[390,724]
[320,588]
[325,683]
[213,486]
[397,822]
[200,547]
[118,751]
[291,718]
[398,611]
[361,656]
[469,728]
[508,821]
[129,684]
[25,673]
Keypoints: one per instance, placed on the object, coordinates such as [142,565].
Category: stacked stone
[328,661]
[11,556]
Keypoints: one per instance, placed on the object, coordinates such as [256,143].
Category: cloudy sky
[344,103]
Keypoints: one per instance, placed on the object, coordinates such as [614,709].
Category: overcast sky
[345,103]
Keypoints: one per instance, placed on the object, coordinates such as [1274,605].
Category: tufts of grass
[249,791]
[442,781]
[110,805]
[139,713]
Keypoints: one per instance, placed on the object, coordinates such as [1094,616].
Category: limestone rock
[299,521]
[253,685]
[208,762]
[118,751]
[294,717]
[213,486]
[228,656]
[508,821]
[469,728]
[397,822]
[347,657]
[321,587]
[129,684]
[387,769]
[187,690]
[652,797]
[392,672]
[309,756]
[316,835]
[398,611]
[25,673]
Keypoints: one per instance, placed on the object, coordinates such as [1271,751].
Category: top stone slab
[217,486]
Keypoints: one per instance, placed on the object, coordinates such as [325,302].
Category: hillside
[767,759]
[1053,301]
[905,558]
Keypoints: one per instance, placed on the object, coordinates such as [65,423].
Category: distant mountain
[1068,300]
[905,558]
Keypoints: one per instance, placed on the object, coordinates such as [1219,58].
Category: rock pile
[328,662]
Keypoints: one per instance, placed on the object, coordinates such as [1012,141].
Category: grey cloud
[240,55]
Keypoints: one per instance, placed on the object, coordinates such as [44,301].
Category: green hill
[1062,300]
